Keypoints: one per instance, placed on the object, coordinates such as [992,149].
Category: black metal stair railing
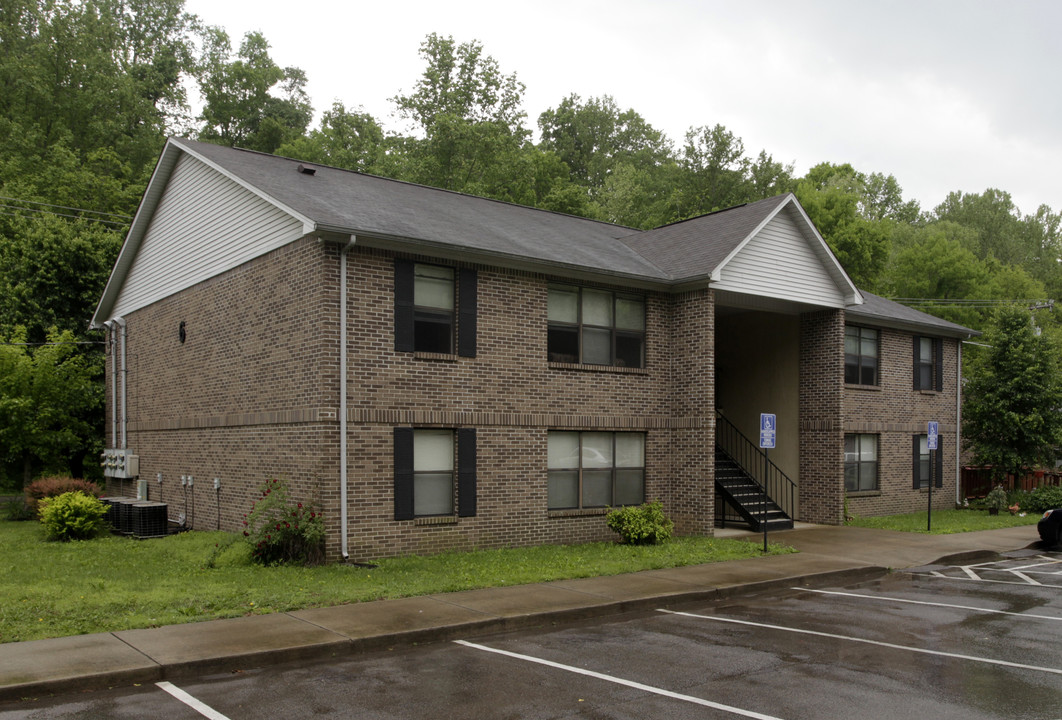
[750,458]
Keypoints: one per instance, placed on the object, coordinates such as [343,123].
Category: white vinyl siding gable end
[781,262]
[204,225]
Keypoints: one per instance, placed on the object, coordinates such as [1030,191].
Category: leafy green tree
[595,137]
[1013,393]
[833,196]
[49,401]
[249,100]
[97,74]
[351,140]
[715,171]
[467,131]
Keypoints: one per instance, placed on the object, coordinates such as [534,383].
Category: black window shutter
[938,470]
[466,472]
[403,473]
[938,350]
[403,305]
[917,361]
[916,465]
[466,320]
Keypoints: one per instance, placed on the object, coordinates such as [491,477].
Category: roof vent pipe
[307,170]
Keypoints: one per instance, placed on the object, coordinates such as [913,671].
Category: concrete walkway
[827,555]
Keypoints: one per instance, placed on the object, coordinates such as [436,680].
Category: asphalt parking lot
[947,641]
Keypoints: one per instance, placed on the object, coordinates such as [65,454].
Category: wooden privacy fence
[977,481]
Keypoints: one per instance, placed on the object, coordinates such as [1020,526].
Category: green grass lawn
[945,522]
[53,589]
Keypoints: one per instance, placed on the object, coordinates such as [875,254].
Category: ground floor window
[433,467]
[433,472]
[923,470]
[595,469]
[860,462]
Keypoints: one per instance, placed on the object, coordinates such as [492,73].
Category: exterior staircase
[739,490]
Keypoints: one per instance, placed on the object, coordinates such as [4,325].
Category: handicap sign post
[931,445]
[768,435]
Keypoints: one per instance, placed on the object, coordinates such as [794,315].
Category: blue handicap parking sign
[768,432]
[931,438]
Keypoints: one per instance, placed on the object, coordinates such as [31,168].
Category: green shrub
[1043,499]
[16,509]
[996,499]
[73,516]
[57,485]
[641,524]
[282,531]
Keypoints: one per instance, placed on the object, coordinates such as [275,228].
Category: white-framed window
[433,472]
[860,463]
[433,308]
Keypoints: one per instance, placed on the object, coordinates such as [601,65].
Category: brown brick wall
[253,393]
[249,395]
[895,412]
[821,490]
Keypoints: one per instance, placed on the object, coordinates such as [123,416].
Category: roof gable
[769,247]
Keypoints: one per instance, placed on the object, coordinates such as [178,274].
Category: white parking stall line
[1024,577]
[832,636]
[996,582]
[197,705]
[622,681]
[886,598]
[968,570]
[1047,561]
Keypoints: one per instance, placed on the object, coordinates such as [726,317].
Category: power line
[65,207]
[24,214]
[1035,304]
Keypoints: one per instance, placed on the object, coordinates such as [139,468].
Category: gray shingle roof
[355,203]
[695,247]
[880,311]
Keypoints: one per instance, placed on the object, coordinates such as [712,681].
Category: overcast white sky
[944,94]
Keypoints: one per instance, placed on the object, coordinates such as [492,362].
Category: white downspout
[344,540]
[958,429]
[121,324]
[112,341]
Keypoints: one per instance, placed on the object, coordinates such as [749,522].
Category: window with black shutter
[435,306]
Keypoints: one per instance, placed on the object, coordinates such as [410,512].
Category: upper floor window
[860,462]
[928,356]
[596,327]
[860,356]
[435,308]
[595,469]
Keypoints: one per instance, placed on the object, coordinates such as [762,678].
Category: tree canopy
[1011,415]
[90,89]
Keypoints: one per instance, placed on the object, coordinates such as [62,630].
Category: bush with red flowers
[281,530]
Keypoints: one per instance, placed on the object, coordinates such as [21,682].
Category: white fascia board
[142,220]
[144,212]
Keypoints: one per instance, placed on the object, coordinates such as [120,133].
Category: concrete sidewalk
[827,555]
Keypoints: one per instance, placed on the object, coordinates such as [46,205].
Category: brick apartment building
[438,371]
